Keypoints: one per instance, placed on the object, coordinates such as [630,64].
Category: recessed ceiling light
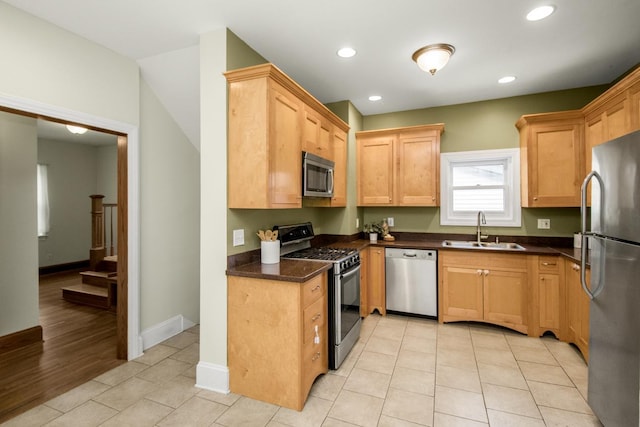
[375,98]
[346,52]
[506,79]
[540,13]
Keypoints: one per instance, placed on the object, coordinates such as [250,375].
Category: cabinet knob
[479,272]
[535,199]
[486,272]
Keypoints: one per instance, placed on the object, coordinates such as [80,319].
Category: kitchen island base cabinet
[484,287]
[277,338]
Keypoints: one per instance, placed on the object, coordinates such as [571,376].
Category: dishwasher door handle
[409,255]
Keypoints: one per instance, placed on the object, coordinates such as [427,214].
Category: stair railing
[102,244]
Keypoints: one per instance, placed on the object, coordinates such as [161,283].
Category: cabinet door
[317,134]
[375,170]
[364,283]
[555,163]
[376,295]
[505,298]
[285,154]
[462,293]
[634,107]
[340,170]
[549,302]
[418,175]
[577,310]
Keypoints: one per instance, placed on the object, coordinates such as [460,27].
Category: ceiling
[58,132]
[583,43]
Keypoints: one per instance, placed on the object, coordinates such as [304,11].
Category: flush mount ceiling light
[78,130]
[346,52]
[374,98]
[433,57]
[540,13]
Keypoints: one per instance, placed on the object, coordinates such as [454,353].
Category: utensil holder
[270,251]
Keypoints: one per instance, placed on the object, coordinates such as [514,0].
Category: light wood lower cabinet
[548,293]
[274,350]
[577,308]
[375,283]
[486,287]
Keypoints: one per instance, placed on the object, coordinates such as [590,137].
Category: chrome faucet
[481,220]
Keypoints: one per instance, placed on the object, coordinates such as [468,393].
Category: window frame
[511,216]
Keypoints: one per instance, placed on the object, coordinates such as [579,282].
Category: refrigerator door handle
[585,234]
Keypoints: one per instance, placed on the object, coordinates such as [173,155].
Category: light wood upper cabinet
[484,287]
[399,167]
[552,159]
[317,134]
[271,119]
[375,160]
[418,169]
[339,150]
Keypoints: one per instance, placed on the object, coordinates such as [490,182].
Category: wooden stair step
[99,278]
[95,296]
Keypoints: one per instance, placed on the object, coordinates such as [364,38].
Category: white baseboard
[165,330]
[212,377]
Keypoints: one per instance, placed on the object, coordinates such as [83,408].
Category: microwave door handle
[330,175]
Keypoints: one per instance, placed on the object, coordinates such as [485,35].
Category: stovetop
[322,254]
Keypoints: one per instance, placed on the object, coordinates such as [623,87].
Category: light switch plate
[238,237]
[390,221]
[544,224]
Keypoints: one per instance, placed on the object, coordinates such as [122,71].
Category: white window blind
[485,181]
[43,201]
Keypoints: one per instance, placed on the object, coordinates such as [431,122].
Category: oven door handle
[350,273]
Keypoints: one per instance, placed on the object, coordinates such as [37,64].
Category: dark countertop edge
[287,270]
[291,270]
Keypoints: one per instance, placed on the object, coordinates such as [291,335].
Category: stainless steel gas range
[343,287]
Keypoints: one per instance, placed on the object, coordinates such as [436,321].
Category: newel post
[97,251]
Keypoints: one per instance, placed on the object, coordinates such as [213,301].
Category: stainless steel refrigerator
[614,239]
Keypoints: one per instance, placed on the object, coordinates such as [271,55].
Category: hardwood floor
[79,344]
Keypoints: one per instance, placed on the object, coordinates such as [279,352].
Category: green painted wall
[473,126]
[482,126]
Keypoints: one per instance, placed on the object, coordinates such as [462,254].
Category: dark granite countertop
[294,270]
[288,270]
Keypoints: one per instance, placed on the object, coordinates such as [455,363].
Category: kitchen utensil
[268,235]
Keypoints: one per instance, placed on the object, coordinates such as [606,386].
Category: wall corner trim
[210,376]
[165,330]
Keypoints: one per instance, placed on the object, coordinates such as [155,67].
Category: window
[487,181]
[43,201]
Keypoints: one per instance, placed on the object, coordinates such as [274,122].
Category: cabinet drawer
[549,264]
[314,315]
[313,289]
[314,358]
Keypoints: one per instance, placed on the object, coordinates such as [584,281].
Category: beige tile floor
[402,372]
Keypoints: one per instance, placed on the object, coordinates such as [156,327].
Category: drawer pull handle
[316,317]
[316,339]
[548,263]
[317,288]
[315,356]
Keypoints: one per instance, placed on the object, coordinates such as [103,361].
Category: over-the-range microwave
[317,176]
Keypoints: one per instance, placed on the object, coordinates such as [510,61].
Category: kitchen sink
[482,245]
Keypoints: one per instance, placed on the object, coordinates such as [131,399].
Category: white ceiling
[583,43]
[58,132]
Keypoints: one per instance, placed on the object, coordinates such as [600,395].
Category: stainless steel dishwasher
[411,281]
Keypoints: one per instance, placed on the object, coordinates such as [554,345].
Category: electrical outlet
[238,237]
[544,224]
[390,221]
